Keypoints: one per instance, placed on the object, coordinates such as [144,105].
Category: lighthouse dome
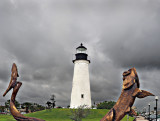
[81,49]
[81,53]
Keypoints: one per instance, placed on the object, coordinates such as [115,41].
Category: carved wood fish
[13,80]
[16,85]
[130,90]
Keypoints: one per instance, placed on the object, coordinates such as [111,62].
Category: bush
[79,113]
[106,105]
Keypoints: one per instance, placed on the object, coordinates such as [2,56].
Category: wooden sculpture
[130,91]
[16,85]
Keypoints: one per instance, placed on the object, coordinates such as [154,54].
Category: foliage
[52,103]
[2,108]
[32,106]
[7,104]
[53,100]
[106,105]
[36,107]
[49,104]
[26,105]
[79,113]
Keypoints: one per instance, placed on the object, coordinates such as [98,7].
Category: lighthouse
[81,94]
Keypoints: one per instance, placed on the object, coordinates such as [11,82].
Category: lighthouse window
[82,95]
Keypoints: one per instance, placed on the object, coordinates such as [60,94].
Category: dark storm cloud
[134,39]
[4,73]
[41,37]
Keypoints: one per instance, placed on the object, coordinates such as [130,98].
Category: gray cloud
[41,37]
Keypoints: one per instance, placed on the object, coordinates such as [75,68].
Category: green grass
[63,115]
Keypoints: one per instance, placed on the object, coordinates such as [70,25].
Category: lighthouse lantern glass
[81,50]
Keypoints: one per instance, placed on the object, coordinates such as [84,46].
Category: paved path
[140,118]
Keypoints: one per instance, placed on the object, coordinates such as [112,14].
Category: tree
[39,107]
[32,107]
[2,108]
[36,107]
[7,104]
[106,105]
[49,104]
[27,105]
[79,113]
[53,100]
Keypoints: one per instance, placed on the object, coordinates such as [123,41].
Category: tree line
[106,105]
[28,106]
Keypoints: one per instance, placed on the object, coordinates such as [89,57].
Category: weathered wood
[16,85]
[130,90]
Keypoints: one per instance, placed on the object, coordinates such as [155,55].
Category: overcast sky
[41,36]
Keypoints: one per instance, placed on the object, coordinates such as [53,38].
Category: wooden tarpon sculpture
[130,91]
[16,85]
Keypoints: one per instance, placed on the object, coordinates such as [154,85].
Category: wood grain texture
[130,90]
[16,85]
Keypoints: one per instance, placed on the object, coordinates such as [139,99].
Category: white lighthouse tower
[81,94]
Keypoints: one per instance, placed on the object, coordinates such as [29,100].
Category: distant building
[81,94]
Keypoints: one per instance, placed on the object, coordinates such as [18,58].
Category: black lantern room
[81,53]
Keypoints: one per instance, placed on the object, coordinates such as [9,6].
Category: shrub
[106,105]
[79,113]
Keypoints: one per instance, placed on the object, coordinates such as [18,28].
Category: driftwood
[130,91]
[16,85]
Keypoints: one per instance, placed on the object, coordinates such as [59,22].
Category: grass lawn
[63,115]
